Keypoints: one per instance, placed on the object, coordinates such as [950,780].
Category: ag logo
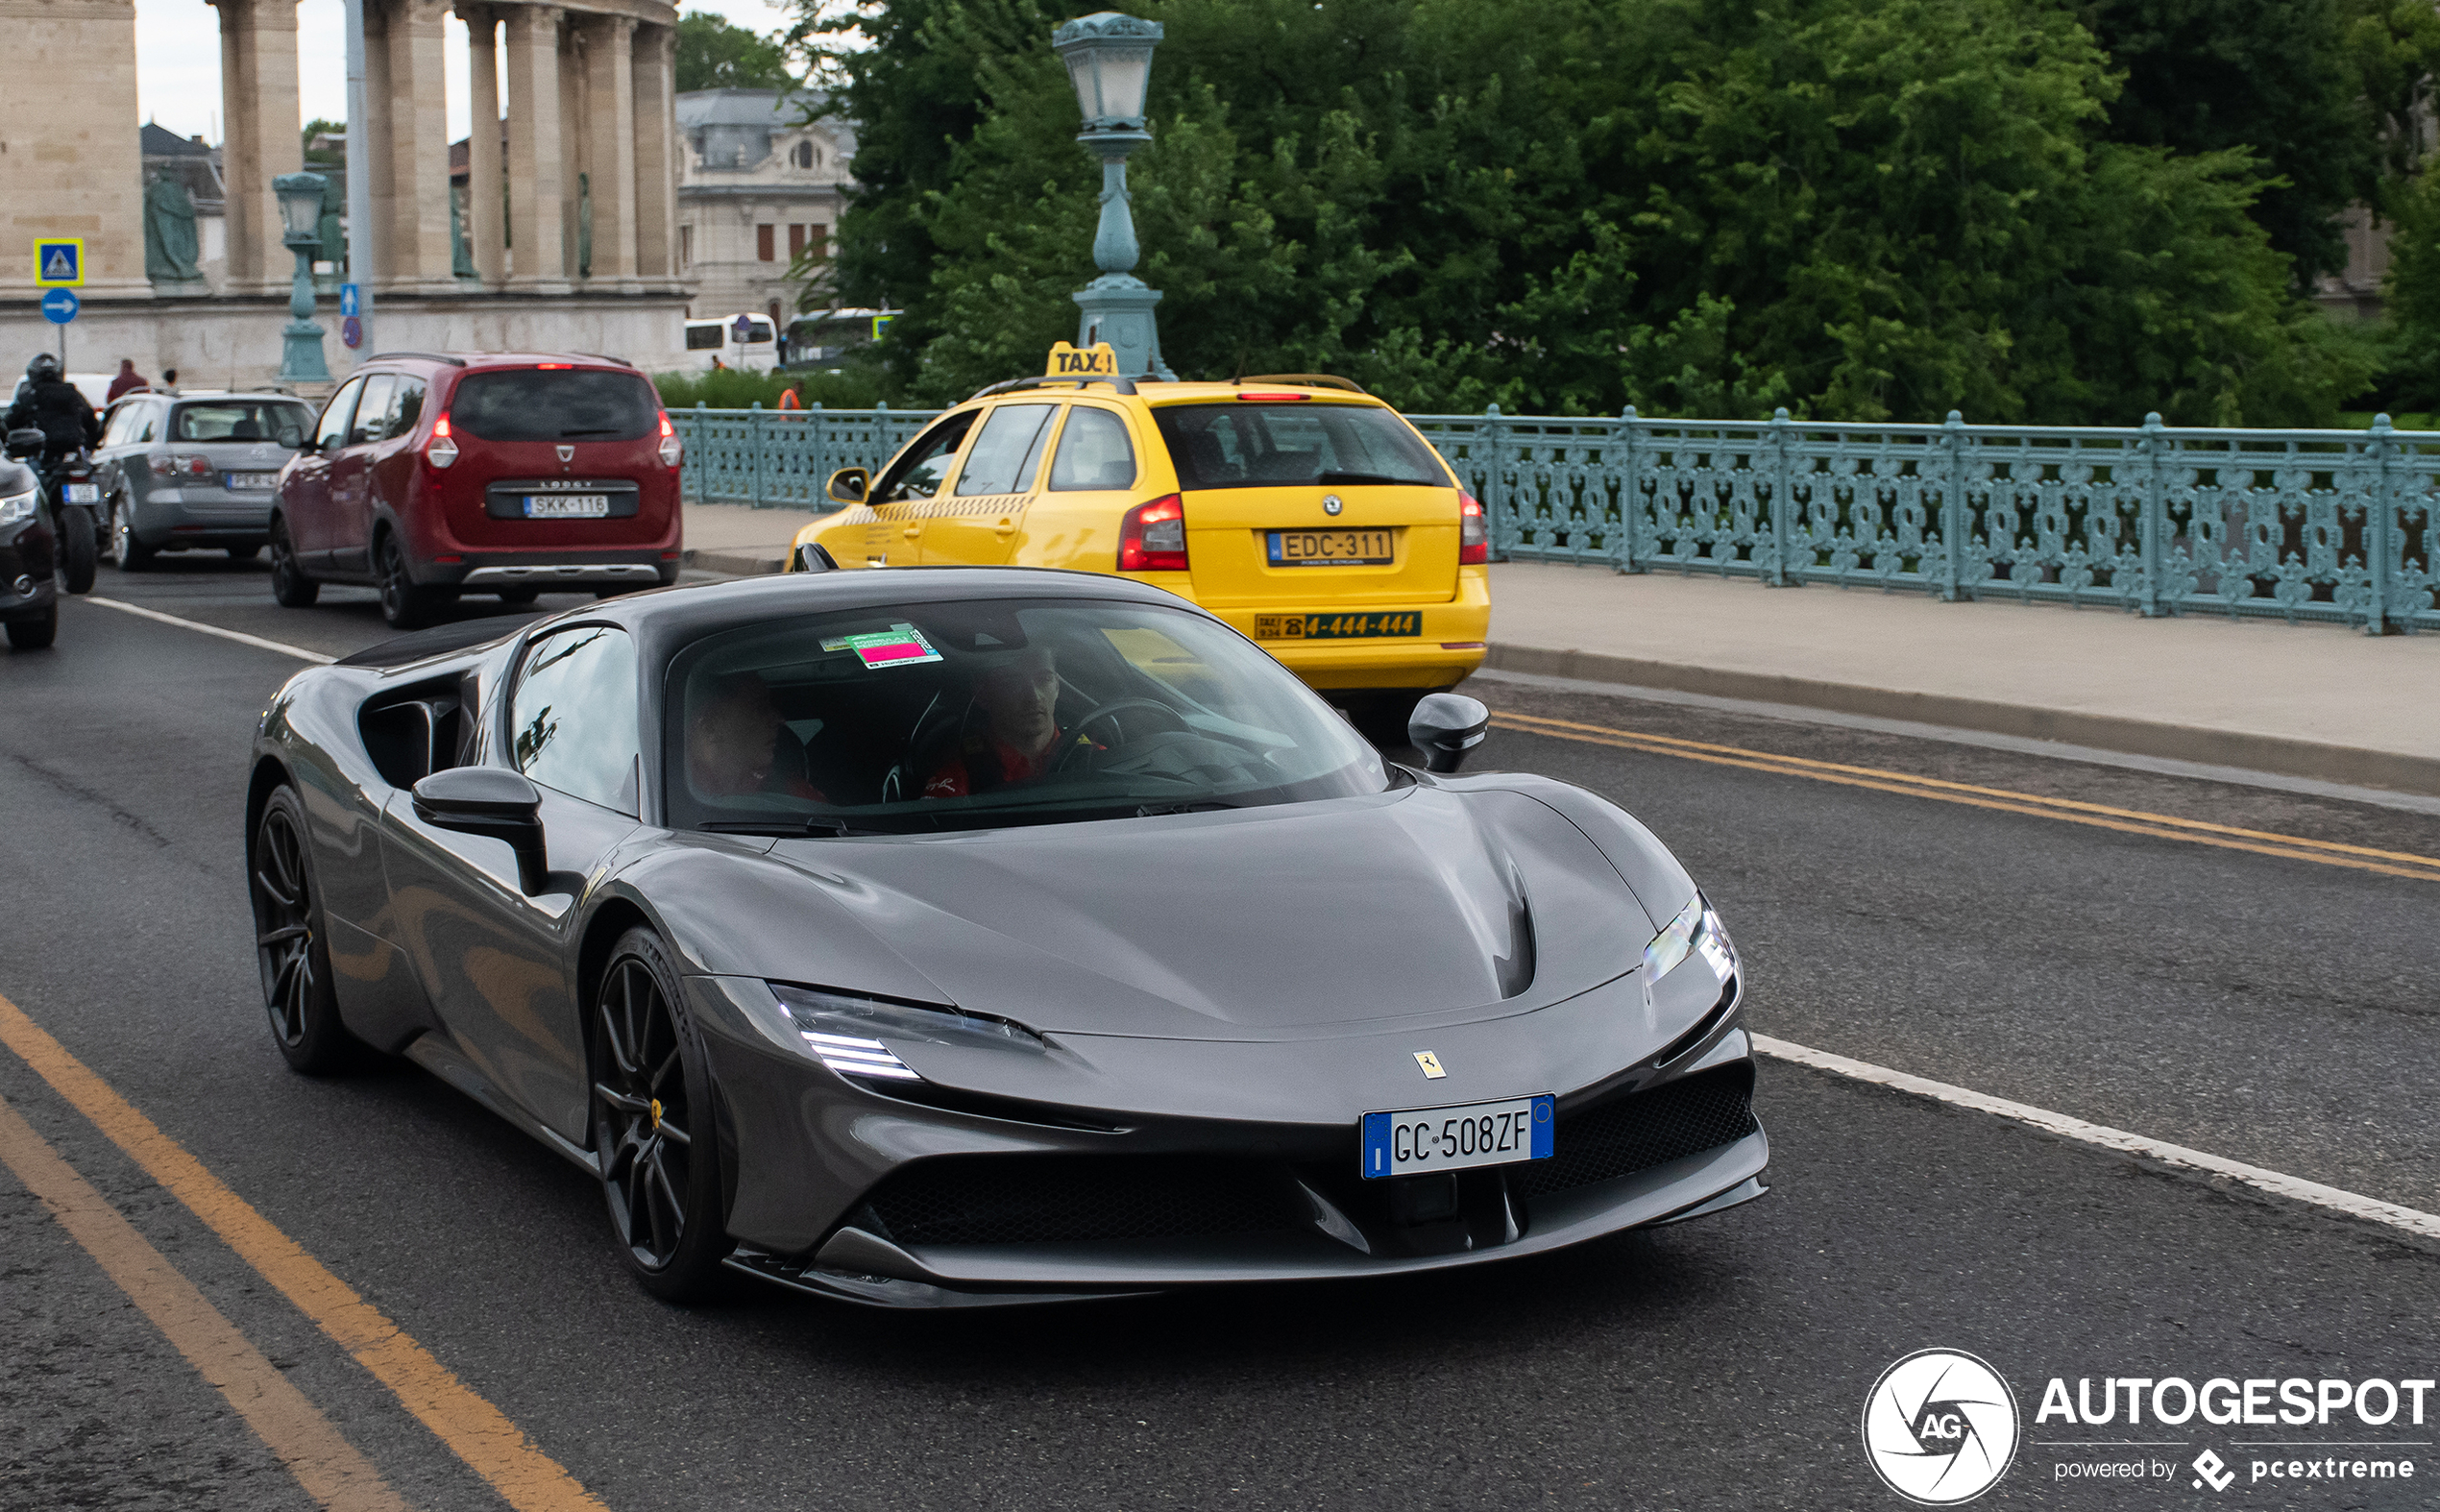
[1939,1427]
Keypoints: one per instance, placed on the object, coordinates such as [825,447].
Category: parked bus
[746,342]
[821,339]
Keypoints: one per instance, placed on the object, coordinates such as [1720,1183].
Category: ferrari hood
[1300,922]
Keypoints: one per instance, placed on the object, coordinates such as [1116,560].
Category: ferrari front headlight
[1695,928]
[851,1035]
[19,506]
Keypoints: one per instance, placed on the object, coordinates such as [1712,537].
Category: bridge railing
[2334,526]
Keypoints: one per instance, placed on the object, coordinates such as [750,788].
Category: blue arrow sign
[59,306]
[351,302]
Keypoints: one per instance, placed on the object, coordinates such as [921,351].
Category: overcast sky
[178,60]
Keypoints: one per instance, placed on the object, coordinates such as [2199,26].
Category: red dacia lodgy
[432,474]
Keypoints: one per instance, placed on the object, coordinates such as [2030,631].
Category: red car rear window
[565,405]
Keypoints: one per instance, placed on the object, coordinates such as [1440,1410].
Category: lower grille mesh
[1074,1199]
[1639,1131]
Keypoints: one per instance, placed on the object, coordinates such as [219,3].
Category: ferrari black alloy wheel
[653,1126]
[290,587]
[289,944]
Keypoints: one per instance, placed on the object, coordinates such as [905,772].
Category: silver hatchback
[181,471]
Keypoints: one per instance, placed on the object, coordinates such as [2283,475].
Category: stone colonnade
[592,171]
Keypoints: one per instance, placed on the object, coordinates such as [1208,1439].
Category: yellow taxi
[1302,511]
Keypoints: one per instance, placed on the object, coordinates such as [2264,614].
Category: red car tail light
[672,450]
[196,466]
[443,451]
[1474,532]
[1152,538]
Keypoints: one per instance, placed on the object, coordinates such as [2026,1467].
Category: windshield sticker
[902,644]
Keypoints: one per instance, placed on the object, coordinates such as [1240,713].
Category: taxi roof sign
[59,262]
[1097,360]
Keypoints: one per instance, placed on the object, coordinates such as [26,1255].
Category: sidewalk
[2305,700]
[2308,700]
[743,542]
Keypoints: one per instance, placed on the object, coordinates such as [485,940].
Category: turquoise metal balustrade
[2297,524]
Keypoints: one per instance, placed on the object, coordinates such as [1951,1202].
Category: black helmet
[43,367]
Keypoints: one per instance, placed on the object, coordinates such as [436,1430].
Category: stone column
[656,169]
[418,247]
[535,153]
[375,166]
[483,165]
[73,164]
[258,102]
[575,178]
[610,115]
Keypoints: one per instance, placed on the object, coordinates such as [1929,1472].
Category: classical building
[760,187]
[569,243]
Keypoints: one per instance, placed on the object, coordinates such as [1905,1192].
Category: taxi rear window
[1239,445]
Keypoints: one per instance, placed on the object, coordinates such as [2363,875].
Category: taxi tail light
[1152,538]
[443,451]
[1474,532]
[672,450]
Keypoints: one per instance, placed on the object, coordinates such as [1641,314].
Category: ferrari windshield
[986,713]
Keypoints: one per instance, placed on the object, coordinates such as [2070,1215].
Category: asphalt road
[2273,1011]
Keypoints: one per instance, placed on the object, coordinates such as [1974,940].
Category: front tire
[35,635]
[79,553]
[289,944]
[127,553]
[290,587]
[652,1135]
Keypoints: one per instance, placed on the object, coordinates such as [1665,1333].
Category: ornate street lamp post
[301,340]
[1109,59]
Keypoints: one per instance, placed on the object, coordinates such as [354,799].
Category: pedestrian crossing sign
[59,262]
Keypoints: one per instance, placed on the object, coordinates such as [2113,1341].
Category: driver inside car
[738,745]
[1020,738]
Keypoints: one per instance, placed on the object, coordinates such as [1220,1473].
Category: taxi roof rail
[1122,386]
[1302,380]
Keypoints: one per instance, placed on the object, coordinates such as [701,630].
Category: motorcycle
[76,499]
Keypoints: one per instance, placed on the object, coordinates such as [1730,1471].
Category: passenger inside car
[1018,738]
[738,745]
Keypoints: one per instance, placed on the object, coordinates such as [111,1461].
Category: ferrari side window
[573,721]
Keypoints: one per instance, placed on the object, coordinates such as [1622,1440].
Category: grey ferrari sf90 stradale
[944,938]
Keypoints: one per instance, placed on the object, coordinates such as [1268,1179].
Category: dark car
[193,471]
[29,544]
[429,475]
[978,935]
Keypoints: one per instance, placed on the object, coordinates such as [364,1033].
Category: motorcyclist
[48,403]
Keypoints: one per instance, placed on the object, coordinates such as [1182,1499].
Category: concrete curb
[2395,771]
[748,563]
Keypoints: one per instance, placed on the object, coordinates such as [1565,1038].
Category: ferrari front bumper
[926,1196]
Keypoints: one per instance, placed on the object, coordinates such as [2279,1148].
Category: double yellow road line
[2100,816]
[333,1471]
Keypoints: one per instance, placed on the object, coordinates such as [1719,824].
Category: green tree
[713,53]
[336,130]
[2279,79]
[1867,209]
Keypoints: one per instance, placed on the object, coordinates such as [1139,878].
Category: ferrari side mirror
[25,442]
[488,800]
[847,485]
[1445,726]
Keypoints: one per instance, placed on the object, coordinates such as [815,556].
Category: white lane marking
[238,636]
[2295,1188]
